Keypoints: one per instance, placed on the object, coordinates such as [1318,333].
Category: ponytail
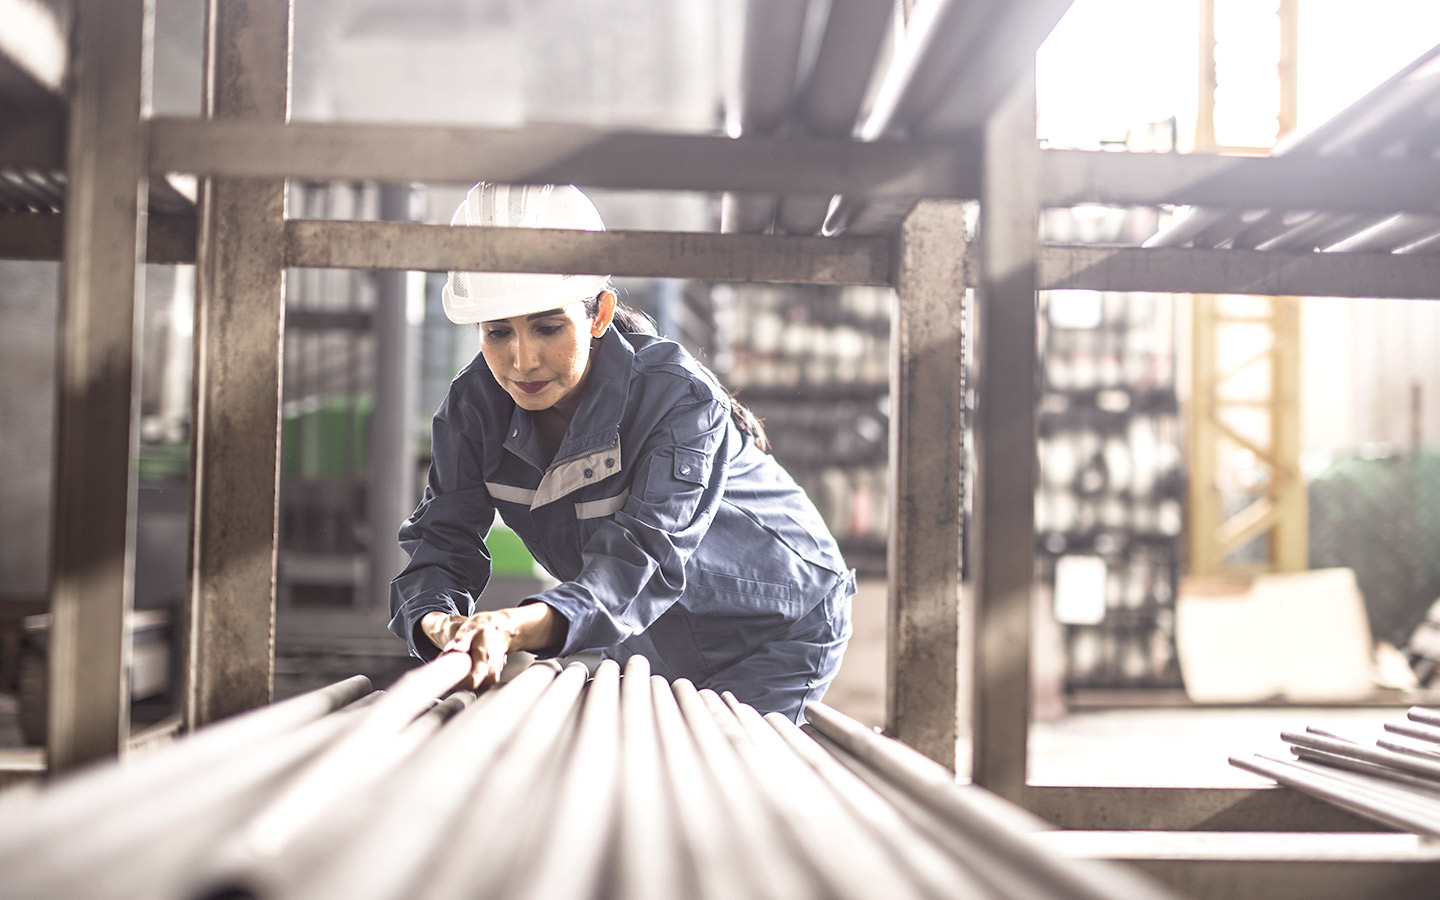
[629,320]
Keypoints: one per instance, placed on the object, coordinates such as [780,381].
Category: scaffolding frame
[244,148]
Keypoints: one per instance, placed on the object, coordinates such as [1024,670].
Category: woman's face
[541,360]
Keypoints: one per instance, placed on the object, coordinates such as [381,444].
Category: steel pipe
[713,828]
[509,811]
[549,785]
[71,801]
[1420,732]
[935,872]
[648,853]
[851,864]
[1334,790]
[994,828]
[423,806]
[1424,715]
[1383,757]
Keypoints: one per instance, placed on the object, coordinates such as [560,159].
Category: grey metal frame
[245,243]
[927,342]
[240,304]
[94,550]
[1002,543]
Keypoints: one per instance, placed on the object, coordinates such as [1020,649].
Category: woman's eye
[548,330]
[497,334]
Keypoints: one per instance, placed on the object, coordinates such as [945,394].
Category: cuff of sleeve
[577,615]
[405,623]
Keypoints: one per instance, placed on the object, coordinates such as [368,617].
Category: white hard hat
[487,296]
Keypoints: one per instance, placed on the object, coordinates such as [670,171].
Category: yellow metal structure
[1247,509]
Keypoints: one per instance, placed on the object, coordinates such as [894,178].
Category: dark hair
[629,320]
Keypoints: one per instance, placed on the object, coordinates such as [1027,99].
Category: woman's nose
[527,354]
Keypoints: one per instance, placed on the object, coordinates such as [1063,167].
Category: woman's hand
[488,637]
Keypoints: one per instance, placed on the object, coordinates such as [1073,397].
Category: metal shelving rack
[958,126]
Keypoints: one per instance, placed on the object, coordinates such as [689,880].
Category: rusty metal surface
[240,304]
[398,245]
[927,475]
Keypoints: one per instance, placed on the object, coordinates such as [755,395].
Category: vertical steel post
[239,314]
[1003,529]
[926,468]
[92,584]
[393,455]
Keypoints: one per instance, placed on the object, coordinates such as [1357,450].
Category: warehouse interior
[1099,331]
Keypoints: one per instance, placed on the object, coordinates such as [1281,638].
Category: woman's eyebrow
[543,315]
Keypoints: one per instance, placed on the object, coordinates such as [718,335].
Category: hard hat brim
[528,294]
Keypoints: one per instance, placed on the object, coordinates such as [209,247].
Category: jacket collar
[592,441]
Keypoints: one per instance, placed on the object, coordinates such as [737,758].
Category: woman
[631,476]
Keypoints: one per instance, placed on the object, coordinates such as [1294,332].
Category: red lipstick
[530,387]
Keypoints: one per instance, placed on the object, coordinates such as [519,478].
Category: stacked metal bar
[558,784]
[1393,782]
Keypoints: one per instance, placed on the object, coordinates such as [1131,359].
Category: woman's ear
[605,315]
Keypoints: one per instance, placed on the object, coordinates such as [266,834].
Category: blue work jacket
[671,533]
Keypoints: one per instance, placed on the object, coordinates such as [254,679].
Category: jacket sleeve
[445,537]
[633,566]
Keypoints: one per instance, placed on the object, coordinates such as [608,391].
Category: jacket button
[684,470]
[515,433]
[589,473]
[610,463]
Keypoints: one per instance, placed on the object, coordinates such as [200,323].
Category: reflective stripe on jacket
[671,533]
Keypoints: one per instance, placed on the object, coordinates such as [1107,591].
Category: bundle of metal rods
[1392,782]
[560,783]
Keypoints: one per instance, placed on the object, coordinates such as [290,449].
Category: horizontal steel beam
[328,244]
[929,167]
[170,238]
[1248,866]
[33,139]
[1187,809]
[1274,272]
[563,154]
[1070,177]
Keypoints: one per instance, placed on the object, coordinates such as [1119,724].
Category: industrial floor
[1168,745]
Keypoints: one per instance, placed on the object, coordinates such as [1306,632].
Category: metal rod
[1337,761]
[383,857]
[1000,878]
[709,821]
[72,800]
[1367,754]
[1334,791]
[773,870]
[507,813]
[842,849]
[350,765]
[1423,715]
[570,860]
[174,826]
[937,872]
[973,811]
[648,855]
[927,867]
